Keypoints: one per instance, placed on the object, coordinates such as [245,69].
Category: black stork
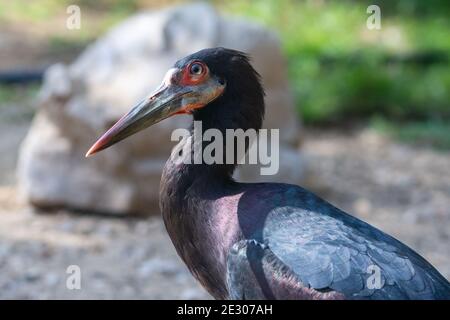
[262,240]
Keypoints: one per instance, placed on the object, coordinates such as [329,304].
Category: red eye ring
[194,73]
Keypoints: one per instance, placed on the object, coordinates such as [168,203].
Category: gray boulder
[78,102]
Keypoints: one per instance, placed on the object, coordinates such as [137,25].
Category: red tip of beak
[105,140]
[96,147]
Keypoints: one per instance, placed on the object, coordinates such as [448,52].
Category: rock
[77,103]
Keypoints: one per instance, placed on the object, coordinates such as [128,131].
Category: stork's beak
[169,99]
[166,101]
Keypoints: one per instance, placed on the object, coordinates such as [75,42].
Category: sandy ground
[403,190]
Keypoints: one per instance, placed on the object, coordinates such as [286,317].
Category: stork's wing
[255,273]
[330,251]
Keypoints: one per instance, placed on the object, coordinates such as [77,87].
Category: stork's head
[214,83]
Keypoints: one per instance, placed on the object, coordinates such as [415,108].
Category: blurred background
[367,114]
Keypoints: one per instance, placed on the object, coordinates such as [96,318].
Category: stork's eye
[194,73]
[196,69]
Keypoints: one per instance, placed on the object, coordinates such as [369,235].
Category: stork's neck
[188,195]
[189,192]
[182,174]
[182,178]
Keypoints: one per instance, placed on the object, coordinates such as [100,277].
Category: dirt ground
[401,189]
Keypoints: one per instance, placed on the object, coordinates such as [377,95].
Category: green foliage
[427,133]
[341,71]
[17,93]
[27,10]
[16,101]
[40,10]
[350,91]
